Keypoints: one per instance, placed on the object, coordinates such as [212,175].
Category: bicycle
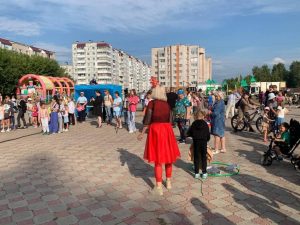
[240,125]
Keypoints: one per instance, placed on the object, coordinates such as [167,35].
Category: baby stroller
[271,155]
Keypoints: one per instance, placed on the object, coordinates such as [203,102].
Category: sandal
[215,152]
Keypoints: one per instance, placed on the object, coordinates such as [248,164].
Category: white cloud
[62,54]
[19,27]
[141,15]
[277,60]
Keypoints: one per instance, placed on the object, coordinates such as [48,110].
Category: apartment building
[181,65]
[69,70]
[100,61]
[25,49]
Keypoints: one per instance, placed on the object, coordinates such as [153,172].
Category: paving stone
[67,220]
[18,204]
[20,216]
[90,221]
[43,218]
[100,212]
[5,213]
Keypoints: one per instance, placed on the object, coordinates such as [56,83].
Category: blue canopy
[89,90]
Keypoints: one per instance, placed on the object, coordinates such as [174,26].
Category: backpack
[237,104]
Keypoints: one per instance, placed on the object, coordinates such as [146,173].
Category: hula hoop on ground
[237,168]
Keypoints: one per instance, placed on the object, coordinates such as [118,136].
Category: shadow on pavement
[267,205]
[21,137]
[212,218]
[137,167]
[185,166]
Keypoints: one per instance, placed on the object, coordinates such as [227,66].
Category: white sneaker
[66,130]
[131,132]
[2,131]
[8,130]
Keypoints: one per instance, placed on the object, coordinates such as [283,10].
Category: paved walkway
[95,176]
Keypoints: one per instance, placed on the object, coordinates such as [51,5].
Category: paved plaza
[92,176]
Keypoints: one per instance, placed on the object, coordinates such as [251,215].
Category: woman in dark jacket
[98,105]
[199,131]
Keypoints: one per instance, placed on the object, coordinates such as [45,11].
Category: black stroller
[271,155]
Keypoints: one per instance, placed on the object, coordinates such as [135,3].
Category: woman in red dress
[161,145]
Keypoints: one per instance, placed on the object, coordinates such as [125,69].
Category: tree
[13,65]
[262,73]
[293,78]
[279,72]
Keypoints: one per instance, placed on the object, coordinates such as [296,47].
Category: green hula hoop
[224,174]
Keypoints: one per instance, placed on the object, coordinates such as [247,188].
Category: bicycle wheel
[234,122]
[259,124]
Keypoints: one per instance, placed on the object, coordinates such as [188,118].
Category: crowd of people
[52,118]
[193,113]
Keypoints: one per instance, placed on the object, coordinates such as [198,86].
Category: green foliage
[14,65]
[293,77]
[265,74]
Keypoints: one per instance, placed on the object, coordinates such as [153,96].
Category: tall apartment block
[25,49]
[181,65]
[100,61]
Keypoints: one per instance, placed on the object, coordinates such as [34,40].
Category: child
[266,123]
[66,118]
[7,115]
[71,107]
[2,116]
[44,118]
[35,113]
[282,144]
[199,131]
[280,113]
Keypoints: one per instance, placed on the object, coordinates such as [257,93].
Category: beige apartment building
[100,61]
[25,49]
[181,65]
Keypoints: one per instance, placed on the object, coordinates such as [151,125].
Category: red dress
[161,146]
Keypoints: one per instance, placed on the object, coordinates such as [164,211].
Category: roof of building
[5,42]
[36,49]
[103,44]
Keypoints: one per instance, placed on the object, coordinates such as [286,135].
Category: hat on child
[180,92]
[271,96]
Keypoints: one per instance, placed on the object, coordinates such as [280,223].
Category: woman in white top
[108,102]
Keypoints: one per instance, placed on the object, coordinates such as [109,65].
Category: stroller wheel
[266,160]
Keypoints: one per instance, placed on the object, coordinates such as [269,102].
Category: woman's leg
[168,168]
[158,174]
[180,125]
[133,121]
[217,141]
[99,121]
[223,147]
[130,127]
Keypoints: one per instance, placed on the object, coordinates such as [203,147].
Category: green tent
[252,80]
[244,83]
